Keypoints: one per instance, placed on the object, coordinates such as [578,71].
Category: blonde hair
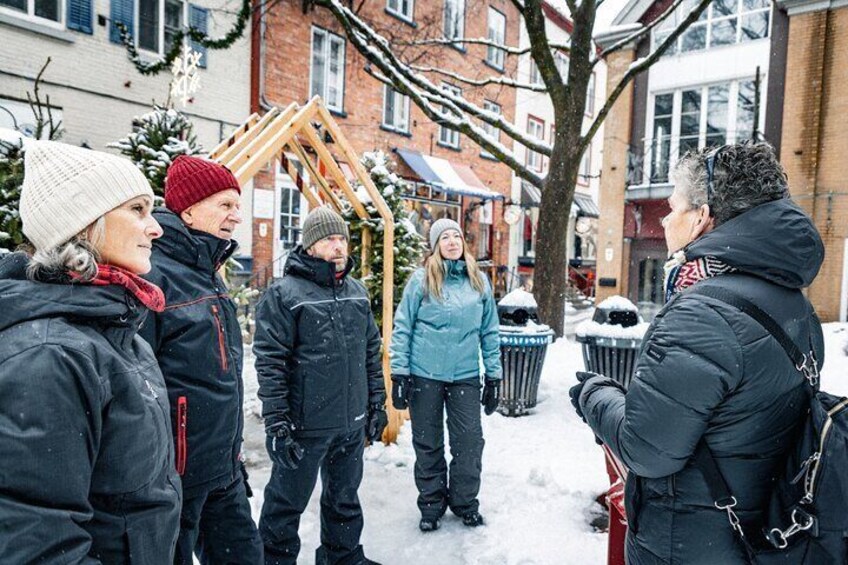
[79,255]
[434,269]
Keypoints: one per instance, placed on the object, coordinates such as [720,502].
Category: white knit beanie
[439,226]
[66,188]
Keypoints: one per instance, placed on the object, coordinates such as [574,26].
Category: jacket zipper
[182,422]
[343,349]
[825,432]
[221,344]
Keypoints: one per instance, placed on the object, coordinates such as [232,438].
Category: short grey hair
[79,256]
[744,176]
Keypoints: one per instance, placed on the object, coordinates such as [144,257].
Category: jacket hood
[301,264]
[190,246]
[22,300]
[775,241]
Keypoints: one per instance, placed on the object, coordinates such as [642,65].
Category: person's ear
[704,222]
[187,217]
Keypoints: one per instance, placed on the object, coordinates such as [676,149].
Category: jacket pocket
[182,424]
[222,344]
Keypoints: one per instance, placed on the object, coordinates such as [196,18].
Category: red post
[615,502]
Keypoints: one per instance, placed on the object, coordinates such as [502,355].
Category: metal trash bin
[612,339]
[524,345]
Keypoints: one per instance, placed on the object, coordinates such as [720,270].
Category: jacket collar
[303,265]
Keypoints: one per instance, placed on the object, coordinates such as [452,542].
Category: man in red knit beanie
[197,341]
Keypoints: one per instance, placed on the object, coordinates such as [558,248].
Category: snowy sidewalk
[541,474]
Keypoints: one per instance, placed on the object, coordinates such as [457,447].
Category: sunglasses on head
[711,171]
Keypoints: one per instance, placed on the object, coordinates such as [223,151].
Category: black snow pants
[217,526]
[339,458]
[438,489]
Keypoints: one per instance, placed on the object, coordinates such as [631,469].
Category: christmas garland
[193,33]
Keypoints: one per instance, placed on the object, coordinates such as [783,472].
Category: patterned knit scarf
[147,293]
[680,274]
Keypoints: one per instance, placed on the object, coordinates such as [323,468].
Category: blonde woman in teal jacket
[446,319]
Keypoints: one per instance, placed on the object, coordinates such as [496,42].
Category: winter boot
[429,524]
[472,519]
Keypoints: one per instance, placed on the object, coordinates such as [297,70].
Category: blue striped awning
[446,176]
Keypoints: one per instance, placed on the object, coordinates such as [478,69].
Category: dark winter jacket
[443,339]
[87,472]
[197,341]
[317,349]
[706,370]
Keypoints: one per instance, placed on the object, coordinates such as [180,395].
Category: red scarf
[680,274]
[147,293]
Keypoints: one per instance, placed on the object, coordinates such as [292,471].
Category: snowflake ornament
[186,79]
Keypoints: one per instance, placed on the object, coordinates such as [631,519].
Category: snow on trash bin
[524,344]
[612,339]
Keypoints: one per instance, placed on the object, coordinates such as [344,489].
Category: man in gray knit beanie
[323,223]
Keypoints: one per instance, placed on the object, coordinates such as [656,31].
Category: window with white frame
[561,62]
[585,172]
[328,68]
[289,204]
[492,132]
[496,34]
[536,130]
[449,136]
[454,19]
[48,11]
[590,95]
[724,22]
[395,110]
[401,8]
[535,75]
[698,117]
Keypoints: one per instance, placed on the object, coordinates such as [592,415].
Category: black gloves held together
[574,392]
[377,422]
[401,391]
[282,447]
[489,398]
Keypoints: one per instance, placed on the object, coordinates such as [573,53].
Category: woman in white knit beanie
[88,462]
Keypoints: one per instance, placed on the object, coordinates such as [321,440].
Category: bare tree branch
[519,5]
[534,20]
[481,41]
[637,67]
[637,35]
[504,81]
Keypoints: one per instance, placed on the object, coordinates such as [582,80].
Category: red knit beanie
[191,179]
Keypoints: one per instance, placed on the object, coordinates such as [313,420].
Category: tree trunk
[551,275]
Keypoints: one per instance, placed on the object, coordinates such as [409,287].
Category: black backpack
[806,521]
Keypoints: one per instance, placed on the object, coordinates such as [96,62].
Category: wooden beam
[314,175]
[263,148]
[335,171]
[302,187]
[234,136]
[228,156]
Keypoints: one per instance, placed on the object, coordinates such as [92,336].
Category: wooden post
[237,134]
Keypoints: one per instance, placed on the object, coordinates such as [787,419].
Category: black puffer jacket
[197,340]
[317,349]
[87,473]
[706,370]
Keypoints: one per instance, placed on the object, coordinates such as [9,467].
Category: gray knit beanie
[438,227]
[320,223]
[66,188]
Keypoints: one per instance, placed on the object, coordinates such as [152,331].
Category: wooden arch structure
[261,139]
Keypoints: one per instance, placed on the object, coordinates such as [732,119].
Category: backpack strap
[806,363]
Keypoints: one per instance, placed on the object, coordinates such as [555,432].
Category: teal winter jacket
[443,339]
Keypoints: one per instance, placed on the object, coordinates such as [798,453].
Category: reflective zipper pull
[150,387]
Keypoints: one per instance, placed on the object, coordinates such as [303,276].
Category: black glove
[401,391]
[282,447]
[377,422]
[574,392]
[489,398]
[245,476]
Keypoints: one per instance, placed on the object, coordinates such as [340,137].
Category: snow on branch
[638,34]
[480,41]
[502,81]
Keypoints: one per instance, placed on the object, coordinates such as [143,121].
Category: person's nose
[153,230]
[235,216]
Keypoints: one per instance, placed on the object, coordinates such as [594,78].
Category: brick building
[814,142]
[302,53]
[721,82]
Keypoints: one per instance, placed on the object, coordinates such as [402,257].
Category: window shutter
[198,18]
[80,15]
[120,11]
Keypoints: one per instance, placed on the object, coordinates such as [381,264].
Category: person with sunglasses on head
[710,383]
[87,461]
[198,343]
[446,319]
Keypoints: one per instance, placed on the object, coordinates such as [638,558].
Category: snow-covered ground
[541,475]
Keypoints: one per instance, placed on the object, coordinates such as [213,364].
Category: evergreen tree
[158,137]
[409,246]
[11,178]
